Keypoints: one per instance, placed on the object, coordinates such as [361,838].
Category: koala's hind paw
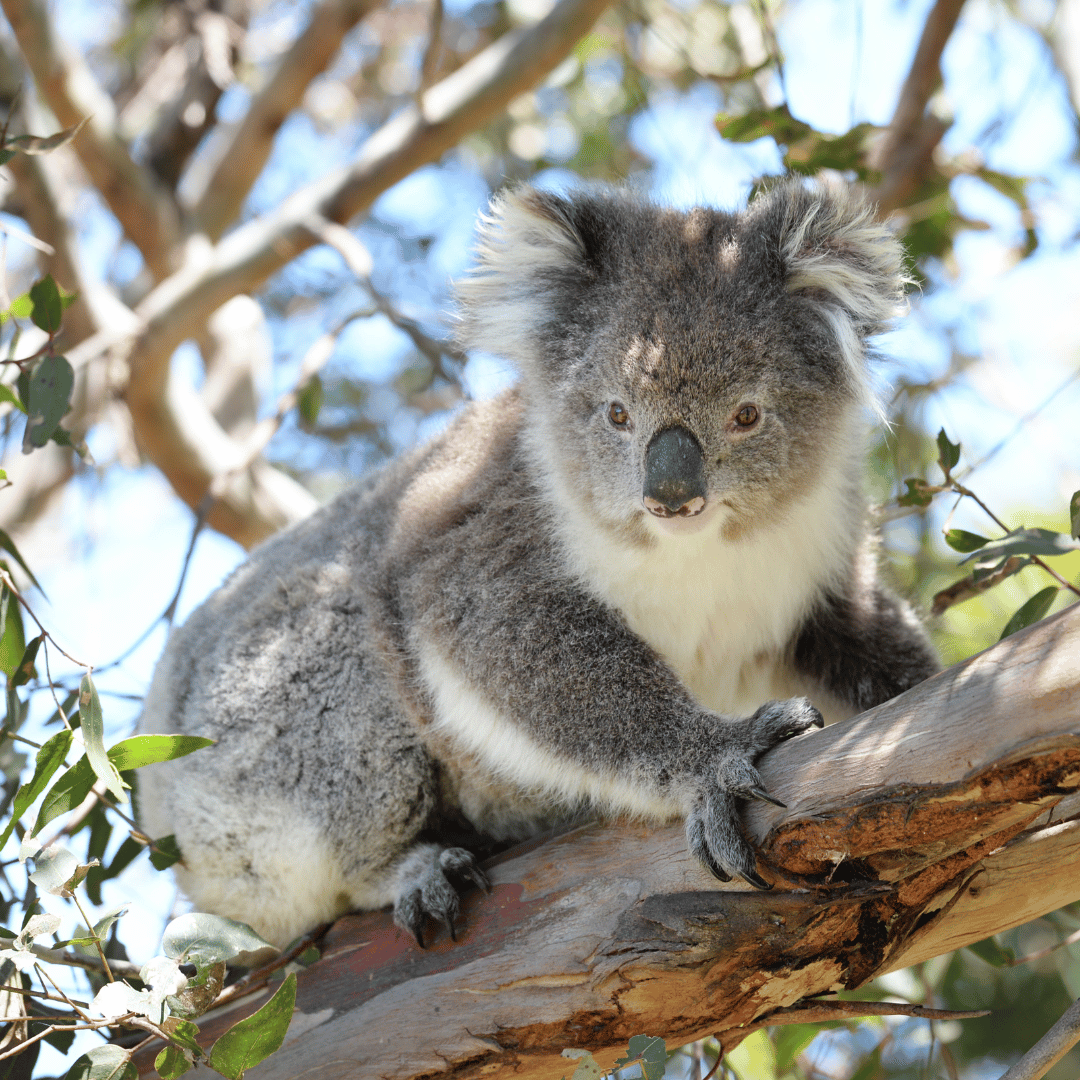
[425,891]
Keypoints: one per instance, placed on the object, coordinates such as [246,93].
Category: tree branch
[145,210]
[173,426]
[946,815]
[906,147]
[241,159]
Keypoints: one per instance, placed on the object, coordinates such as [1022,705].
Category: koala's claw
[428,893]
[763,796]
[754,878]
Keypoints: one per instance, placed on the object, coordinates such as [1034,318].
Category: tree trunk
[939,818]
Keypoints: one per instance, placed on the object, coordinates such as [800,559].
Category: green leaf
[962,540]
[25,670]
[104,1063]
[142,750]
[93,733]
[587,1066]
[47,399]
[791,1040]
[758,123]
[948,453]
[7,394]
[171,1063]
[649,1052]
[70,790]
[42,144]
[252,1040]
[167,852]
[9,546]
[49,758]
[1025,542]
[311,401]
[1035,608]
[204,939]
[185,1032]
[60,1039]
[48,308]
[20,308]
[919,493]
[990,951]
[13,641]
[1074,516]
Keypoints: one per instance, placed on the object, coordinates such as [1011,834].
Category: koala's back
[298,667]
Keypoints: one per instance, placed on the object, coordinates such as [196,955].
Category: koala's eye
[747,416]
[618,415]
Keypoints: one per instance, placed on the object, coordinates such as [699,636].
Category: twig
[1050,1049]
[123,968]
[97,940]
[1050,949]
[5,577]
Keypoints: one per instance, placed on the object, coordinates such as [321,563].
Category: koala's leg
[312,801]
[571,702]
[865,647]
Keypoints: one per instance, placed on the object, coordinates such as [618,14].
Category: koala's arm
[550,688]
[864,646]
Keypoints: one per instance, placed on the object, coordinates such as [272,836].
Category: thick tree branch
[928,823]
[905,150]
[145,210]
[242,158]
[173,426]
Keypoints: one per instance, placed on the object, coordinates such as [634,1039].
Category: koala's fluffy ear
[833,251]
[534,252]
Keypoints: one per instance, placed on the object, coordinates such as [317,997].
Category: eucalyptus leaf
[9,546]
[648,1052]
[93,731]
[142,750]
[54,867]
[250,1041]
[49,758]
[1074,516]
[171,1063]
[1026,542]
[207,939]
[962,540]
[1035,608]
[990,951]
[48,309]
[43,144]
[165,852]
[70,790]
[948,452]
[48,398]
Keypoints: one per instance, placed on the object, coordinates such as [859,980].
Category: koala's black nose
[674,474]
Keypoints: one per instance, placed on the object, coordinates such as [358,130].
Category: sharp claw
[764,796]
[418,936]
[479,879]
[752,877]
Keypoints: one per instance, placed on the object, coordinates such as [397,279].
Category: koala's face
[688,369]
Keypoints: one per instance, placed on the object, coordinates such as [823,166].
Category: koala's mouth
[710,515]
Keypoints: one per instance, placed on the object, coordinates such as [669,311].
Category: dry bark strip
[946,815]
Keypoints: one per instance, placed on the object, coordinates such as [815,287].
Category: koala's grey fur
[494,631]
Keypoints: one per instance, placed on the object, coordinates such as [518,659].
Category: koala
[608,590]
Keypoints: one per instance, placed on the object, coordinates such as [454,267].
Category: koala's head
[679,366]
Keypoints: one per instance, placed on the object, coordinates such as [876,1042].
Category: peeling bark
[948,814]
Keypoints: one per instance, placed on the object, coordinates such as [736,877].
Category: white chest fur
[721,612]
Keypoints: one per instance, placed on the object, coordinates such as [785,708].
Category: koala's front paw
[424,888]
[712,825]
